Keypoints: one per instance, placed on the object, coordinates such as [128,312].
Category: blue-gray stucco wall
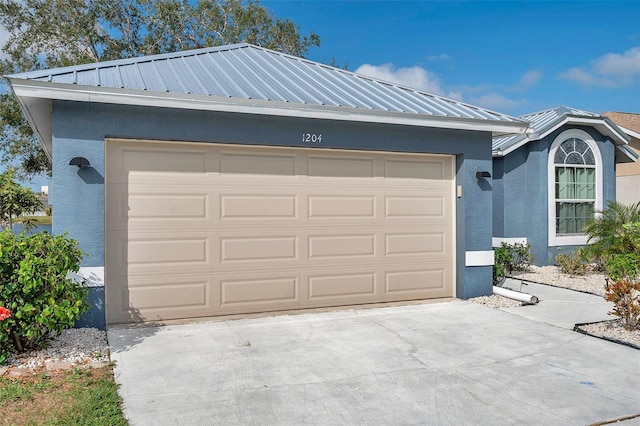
[79,129]
[520,193]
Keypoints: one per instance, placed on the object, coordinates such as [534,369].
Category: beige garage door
[204,229]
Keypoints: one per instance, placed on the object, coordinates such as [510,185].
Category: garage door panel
[332,246]
[143,253]
[257,164]
[340,167]
[259,248]
[420,282]
[332,206]
[421,170]
[132,208]
[257,206]
[341,286]
[156,298]
[258,292]
[153,159]
[426,207]
[169,205]
[170,251]
[252,229]
[415,243]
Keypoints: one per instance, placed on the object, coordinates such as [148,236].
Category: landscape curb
[586,333]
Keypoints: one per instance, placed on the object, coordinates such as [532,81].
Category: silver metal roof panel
[252,72]
[544,122]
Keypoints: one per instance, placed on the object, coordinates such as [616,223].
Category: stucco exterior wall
[523,195]
[628,189]
[79,129]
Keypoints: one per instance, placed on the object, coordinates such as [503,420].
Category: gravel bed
[496,301]
[593,282]
[75,346]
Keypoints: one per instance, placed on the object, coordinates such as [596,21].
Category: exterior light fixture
[79,162]
[483,175]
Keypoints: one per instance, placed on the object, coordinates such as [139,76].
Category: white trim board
[479,258]
[94,276]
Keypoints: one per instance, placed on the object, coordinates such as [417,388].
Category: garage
[198,230]
[237,179]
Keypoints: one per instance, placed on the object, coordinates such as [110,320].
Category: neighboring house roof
[545,122]
[629,122]
[245,78]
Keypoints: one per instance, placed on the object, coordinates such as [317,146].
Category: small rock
[3,370]
[21,372]
[58,366]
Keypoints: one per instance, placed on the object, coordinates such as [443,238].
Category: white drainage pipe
[515,295]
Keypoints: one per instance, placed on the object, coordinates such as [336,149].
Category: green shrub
[615,231]
[35,288]
[573,263]
[499,265]
[509,258]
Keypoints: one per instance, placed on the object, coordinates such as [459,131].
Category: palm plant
[615,231]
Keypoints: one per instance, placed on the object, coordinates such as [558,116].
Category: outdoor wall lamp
[80,162]
[483,175]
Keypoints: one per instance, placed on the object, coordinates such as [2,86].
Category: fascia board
[630,132]
[601,125]
[48,90]
[38,114]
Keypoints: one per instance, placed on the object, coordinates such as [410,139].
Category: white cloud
[528,79]
[610,70]
[492,96]
[415,77]
[497,101]
[438,58]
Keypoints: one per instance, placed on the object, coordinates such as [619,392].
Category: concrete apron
[444,363]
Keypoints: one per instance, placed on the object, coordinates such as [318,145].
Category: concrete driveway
[450,363]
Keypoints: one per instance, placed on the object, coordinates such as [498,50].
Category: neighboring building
[628,175]
[549,182]
[237,179]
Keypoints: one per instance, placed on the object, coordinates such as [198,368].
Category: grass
[74,397]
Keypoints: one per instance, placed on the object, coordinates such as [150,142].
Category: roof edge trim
[46,90]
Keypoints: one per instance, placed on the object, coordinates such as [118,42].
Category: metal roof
[246,71]
[544,122]
[249,79]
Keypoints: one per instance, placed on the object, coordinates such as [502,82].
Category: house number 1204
[312,137]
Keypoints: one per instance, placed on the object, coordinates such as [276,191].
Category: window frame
[579,239]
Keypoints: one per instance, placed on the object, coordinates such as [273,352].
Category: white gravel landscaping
[77,346]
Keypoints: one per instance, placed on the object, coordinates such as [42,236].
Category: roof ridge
[561,109]
[133,60]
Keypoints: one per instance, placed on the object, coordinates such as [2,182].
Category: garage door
[198,230]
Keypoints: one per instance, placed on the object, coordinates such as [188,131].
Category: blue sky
[513,57]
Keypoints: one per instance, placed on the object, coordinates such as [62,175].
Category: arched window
[575,186]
